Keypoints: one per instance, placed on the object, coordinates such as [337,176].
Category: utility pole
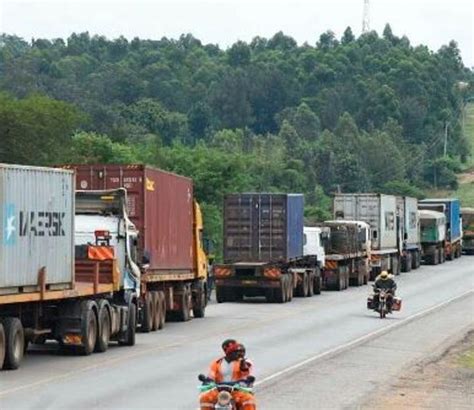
[446,125]
[366,17]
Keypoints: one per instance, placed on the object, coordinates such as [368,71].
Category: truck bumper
[248,283]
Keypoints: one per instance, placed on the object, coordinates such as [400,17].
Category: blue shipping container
[295,227]
[263,227]
[452,210]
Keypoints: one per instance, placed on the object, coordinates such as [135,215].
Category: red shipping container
[160,204]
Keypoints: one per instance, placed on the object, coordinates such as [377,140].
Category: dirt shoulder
[445,382]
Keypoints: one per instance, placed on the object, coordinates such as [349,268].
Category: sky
[429,22]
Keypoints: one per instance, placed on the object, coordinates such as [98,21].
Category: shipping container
[452,210]
[36,228]
[160,204]
[378,210]
[263,227]
[467,230]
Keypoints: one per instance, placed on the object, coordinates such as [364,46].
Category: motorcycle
[225,400]
[382,306]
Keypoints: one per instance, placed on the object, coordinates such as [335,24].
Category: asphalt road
[287,343]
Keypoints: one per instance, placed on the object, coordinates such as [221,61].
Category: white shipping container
[379,211]
[36,228]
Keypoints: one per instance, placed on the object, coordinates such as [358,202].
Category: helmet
[384,274]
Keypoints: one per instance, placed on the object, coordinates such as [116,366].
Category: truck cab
[101,219]
[313,243]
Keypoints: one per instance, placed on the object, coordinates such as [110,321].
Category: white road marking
[360,340]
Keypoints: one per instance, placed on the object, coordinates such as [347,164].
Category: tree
[348,36]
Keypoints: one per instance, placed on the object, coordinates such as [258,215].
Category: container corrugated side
[159,203]
[169,221]
[379,211]
[295,225]
[36,227]
[412,223]
[262,227]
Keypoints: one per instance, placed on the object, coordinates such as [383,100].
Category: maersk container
[451,208]
[160,204]
[36,228]
[407,210]
[263,227]
[378,210]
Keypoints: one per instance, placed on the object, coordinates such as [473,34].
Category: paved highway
[286,342]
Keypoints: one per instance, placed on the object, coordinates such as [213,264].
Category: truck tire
[221,294]
[311,277]
[183,315]
[450,255]
[299,286]
[2,345]
[407,262]
[416,260]
[318,284]
[148,313]
[290,288]
[199,301]
[156,311]
[280,292]
[103,338]
[162,310]
[130,334]
[306,284]
[89,328]
[14,343]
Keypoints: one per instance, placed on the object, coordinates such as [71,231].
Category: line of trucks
[91,253]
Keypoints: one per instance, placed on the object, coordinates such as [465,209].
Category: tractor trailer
[264,249]
[169,247]
[380,212]
[407,210]
[80,295]
[452,210]
[468,230]
[433,236]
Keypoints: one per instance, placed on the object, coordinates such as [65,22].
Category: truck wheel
[129,337]
[103,338]
[148,313]
[416,260]
[305,284]
[14,343]
[2,345]
[311,277]
[200,301]
[280,292]
[89,329]
[442,258]
[162,310]
[183,315]
[155,323]
[221,294]
[290,288]
[318,284]
[450,256]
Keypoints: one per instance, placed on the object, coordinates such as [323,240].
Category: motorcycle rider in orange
[232,367]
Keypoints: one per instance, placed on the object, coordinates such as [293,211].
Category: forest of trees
[354,114]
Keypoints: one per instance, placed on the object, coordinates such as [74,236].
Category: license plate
[249,282]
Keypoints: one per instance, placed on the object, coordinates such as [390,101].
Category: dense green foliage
[350,114]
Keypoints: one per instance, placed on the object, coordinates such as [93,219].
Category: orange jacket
[215,372]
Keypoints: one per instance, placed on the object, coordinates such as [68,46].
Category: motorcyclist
[232,367]
[384,282]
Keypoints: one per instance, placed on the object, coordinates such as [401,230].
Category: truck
[433,236]
[380,212]
[347,254]
[451,208]
[170,249]
[51,288]
[468,230]
[407,211]
[263,249]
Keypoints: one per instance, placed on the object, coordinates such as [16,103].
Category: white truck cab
[313,243]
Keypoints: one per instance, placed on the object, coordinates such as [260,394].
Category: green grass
[466,360]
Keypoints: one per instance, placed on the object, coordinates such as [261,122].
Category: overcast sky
[430,22]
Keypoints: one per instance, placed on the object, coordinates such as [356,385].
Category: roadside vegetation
[350,114]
